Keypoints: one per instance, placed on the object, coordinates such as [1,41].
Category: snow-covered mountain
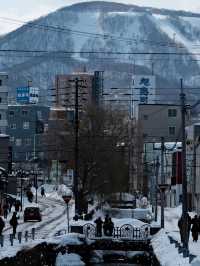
[111,27]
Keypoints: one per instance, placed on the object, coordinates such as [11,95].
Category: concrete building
[57,152]
[90,89]
[26,124]
[160,120]
[3,102]
[4,151]
[8,183]
[119,99]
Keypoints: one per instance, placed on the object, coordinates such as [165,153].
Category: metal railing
[124,232]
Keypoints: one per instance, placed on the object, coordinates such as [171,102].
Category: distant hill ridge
[122,28]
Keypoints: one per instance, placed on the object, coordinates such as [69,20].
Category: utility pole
[21,189]
[162,182]
[184,174]
[195,145]
[76,149]
[156,188]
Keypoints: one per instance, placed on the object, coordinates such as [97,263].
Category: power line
[91,34]
[99,52]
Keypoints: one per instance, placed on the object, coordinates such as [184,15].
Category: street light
[67,197]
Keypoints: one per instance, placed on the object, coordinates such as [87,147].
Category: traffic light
[10,159]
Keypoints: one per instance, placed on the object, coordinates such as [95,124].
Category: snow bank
[69,260]
[117,222]
[71,238]
[131,221]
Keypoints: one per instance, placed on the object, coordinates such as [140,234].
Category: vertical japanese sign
[143,91]
[143,88]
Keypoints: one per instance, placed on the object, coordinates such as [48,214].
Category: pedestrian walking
[106,225]
[5,210]
[189,221]
[43,192]
[99,224]
[110,227]
[2,225]
[11,202]
[14,223]
[29,195]
[17,205]
[184,227]
[195,228]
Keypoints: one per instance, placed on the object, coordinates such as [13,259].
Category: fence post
[1,240]
[11,239]
[33,233]
[20,237]
[26,236]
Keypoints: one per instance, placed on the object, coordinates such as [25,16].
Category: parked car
[32,214]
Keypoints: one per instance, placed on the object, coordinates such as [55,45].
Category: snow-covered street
[54,218]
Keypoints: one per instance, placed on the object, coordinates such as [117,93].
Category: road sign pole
[68,217]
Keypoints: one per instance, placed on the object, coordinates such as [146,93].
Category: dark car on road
[32,214]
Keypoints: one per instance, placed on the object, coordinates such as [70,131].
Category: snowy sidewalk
[166,252]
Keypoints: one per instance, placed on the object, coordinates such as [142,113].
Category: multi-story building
[3,101]
[160,120]
[90,88]
[26,124]
[4,151]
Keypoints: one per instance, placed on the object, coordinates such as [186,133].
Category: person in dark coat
[11,202]
[189,222]
[195,228]
[99,224]
[14,223]
[42,192]
[2,224]
[110,227]
[106,225]
[184,225]
[5,210]
[17,205]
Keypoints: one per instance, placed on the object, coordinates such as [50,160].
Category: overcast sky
[29,9]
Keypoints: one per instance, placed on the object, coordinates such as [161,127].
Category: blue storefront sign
[23,95]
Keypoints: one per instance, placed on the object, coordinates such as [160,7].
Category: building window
[24,112]
[18,142]
[27,141]
[0,116]
[46,126]
[12,139]
[11,113]
[39,115]
[145,117]
[0,99]
[0,82]
[172,112]
[25,125]
[172,130]
[13,126]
